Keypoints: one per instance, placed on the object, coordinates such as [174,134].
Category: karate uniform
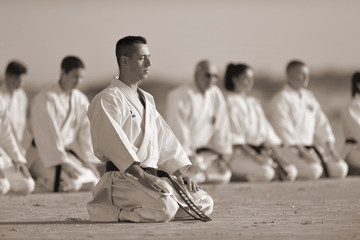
[14,180]
[249,126]
[59,123]
[351,127]
[299,120]
[16,105]
[124,132]
[201,121]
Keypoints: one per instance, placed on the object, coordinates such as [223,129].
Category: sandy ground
[324,209]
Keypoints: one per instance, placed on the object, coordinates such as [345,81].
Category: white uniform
[14,179]
[123,132]
[351,126]
[16,104]
[200,121]
[249,126]
[299,120]
[59,123]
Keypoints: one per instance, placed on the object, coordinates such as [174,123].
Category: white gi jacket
[16,105]
[249,124]
[124,133]
[351,119]
[8,142]
[298,119]
[59,122]
[199,120]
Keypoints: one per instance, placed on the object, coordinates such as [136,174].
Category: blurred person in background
[299,121]
[14,176]
[256,155]
[351,127]
[15,99]
[144,160]
[197,114]
[61,157]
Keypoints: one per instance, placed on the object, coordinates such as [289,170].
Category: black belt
[323,163]
[281,173]
[205,149]
[110,166]
[350,141]
[57,167]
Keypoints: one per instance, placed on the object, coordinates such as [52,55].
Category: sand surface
[324,209]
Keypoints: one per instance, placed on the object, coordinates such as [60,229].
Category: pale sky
[264,34]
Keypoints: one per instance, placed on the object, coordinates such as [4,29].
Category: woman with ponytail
[255,154]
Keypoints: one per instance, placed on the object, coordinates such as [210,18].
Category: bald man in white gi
[299,121]
[133,139]
[14,176]
[61,157]
[197,113]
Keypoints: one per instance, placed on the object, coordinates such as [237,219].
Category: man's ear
[124,61]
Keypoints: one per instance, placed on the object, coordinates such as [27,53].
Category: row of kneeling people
[225,138]
[227,135]
[54,146]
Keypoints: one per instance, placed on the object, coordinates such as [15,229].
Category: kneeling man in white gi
[299,121]
[61,157]
[129,135]
[197,113]
[14,176]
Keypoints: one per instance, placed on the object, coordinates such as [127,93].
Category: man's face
[206,76]
[13,81]
[299,77]
[139,63]
[71,79]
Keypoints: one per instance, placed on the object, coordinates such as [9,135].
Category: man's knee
[215,174]
[206,205]
[164,211]
[338,169]
[23,186]
[291,171]
[312,171]
[4,186]
[265,173]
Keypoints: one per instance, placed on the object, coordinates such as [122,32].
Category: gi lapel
[145,145]
[142,110]
[132,97]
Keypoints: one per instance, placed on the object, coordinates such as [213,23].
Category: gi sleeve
[323,131]
[83,135]
[108,138]
[237,124]
[221,140]
[271,137]
[7,139]
[280,119]
[46,132]
[177,116]
[171,154]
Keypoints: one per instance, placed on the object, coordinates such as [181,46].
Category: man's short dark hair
[124,46]
[293,64]
[15,68]
[71,62]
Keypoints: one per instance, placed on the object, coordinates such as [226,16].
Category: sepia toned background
[263,34]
